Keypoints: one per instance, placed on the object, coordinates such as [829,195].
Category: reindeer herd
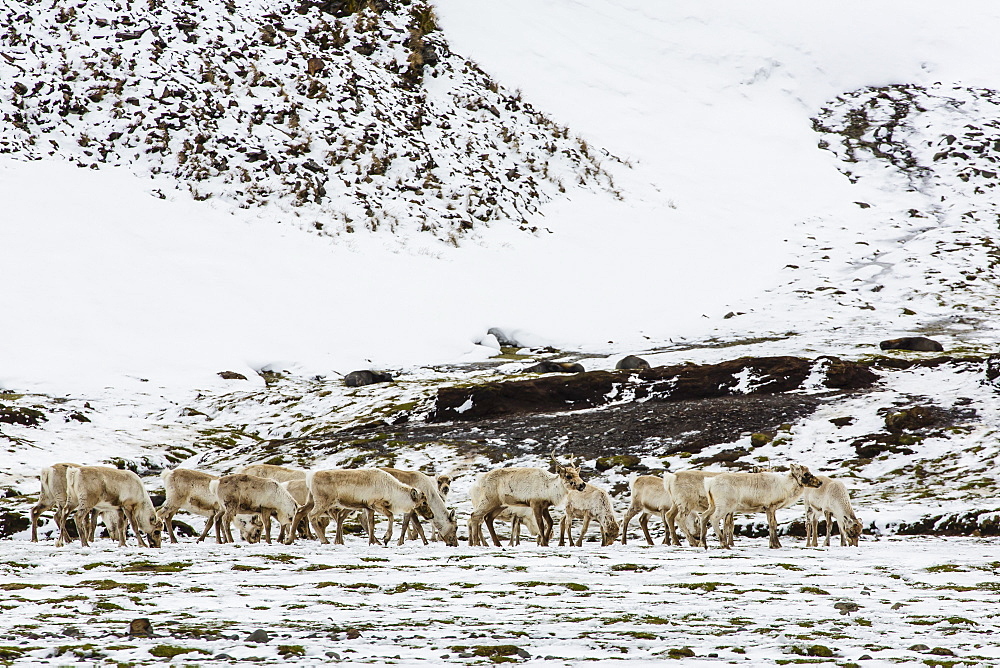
[305,502]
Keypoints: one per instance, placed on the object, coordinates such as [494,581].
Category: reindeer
[105,489]
[592,502]
[730,493]
[358,489]
[522,486]
[831,499]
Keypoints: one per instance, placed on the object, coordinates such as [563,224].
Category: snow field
[425,606]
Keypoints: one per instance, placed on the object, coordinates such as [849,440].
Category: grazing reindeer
[730,493]
[358,489]
[649,496]
[442,518]
[522,486]
[831,499]
[243,494]
[105,489]
[592,502]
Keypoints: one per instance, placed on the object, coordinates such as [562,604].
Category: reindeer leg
[583,530]
[629,514]
[772,528]
[208,527]
[644,524]
[490,516]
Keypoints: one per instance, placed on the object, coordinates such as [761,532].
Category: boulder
[364,377]
[555,367]
[632,362]
[140,628]
[916,343]
[505,340]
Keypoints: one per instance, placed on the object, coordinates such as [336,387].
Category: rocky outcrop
[759,375]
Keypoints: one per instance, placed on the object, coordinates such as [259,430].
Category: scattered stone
[865,657]
[847,607]
[680,652]
[919,647]
[352,634]
[260,635]
[941,651]
[819,650]
[632,362]
[231,375]
[761,438]
[842,421]
[315,65]
[140,628]
[915,343]
[896,606]
[365,377]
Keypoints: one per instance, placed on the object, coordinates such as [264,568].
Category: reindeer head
[569,474]
[804,477]
[444,485]
[610,532]
[450,535]
[155,537]
[419,498]
[852,531]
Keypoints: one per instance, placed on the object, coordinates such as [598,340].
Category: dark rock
[505,340]
[78,416]
[555,367]
[140,628]
[910,419]
[993,369]
[915,343]
[260,635]
[941,651]
[315,65]
[819,650]
[919,647]
[12,523]
[630,462]
[842,421]
[983,522]
[632,362]
[846,607]
[28,417]
[364,377]
[231,375]
[727,456]
[761,438]
[430,55]
[769,375]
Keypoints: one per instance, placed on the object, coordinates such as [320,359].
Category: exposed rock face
[344,116]
[915,343]
[764,375]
